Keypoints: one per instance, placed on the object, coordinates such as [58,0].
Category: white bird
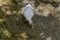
[28,13]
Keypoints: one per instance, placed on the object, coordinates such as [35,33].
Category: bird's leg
[31,24]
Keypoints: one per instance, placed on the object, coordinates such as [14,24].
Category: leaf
[6,33]
[1,20]
[23,35]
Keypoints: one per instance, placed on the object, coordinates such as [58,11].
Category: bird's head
[28,5]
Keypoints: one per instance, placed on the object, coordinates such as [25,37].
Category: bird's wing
[28,13]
